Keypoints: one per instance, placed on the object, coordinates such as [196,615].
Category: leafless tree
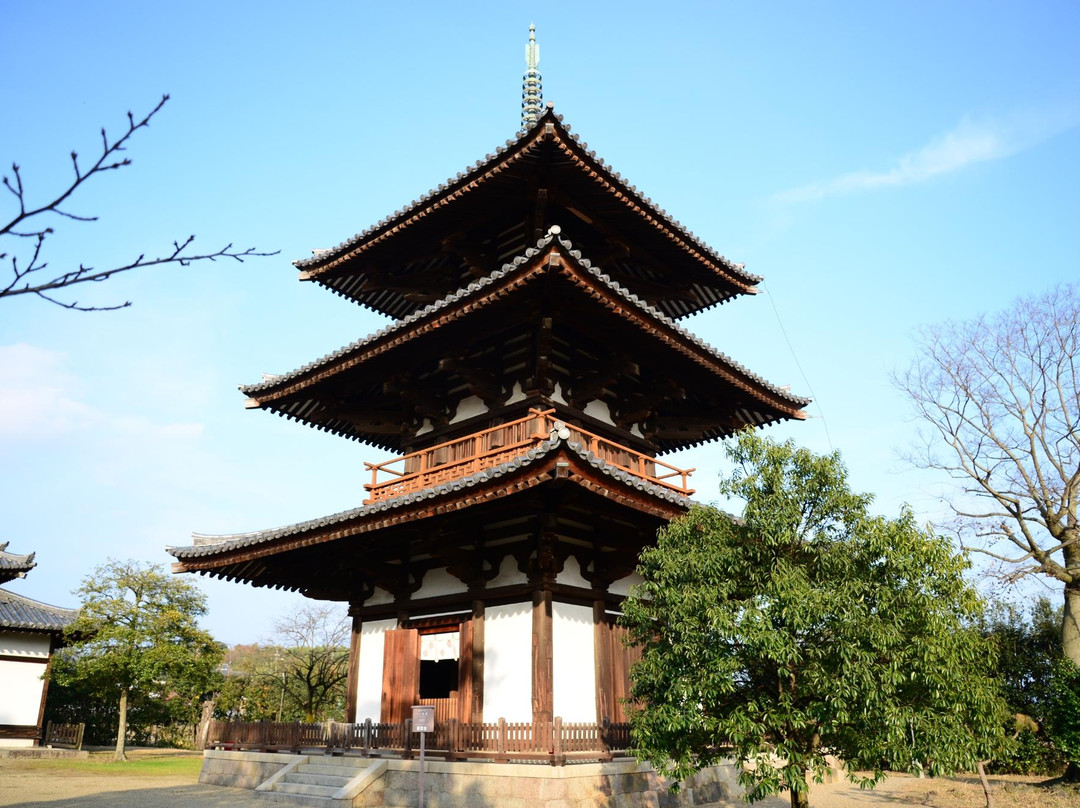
[1002,397]
[315,658]
[30,228]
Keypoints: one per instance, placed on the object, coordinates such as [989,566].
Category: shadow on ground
[193,796]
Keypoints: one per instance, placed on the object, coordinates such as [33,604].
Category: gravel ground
[28,784]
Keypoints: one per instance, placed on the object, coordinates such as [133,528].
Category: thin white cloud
[40,400]
[38,397]
[970,143]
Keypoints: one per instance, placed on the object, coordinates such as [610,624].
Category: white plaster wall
[571,574]
[600,411]
[509,574]
[556,394]
[379,597]
[468,408]
[14,643]
[516,394]
[20,691]
[622,586]
[573,660]
[369,672]
[439,582]
[508,662]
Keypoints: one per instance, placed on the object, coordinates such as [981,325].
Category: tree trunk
[985,784]
[121,731]
[800,799]
[1070,623]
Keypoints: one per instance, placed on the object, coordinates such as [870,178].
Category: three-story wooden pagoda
[533,373]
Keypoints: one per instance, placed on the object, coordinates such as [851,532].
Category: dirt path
[34,784]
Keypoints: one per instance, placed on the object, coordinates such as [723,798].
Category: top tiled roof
[24,614]
[549,128]
[204,545]
[14,566]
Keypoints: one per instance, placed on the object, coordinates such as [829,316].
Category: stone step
[338,771]
[299,800]
[335,760]
[304,776]
[306,790]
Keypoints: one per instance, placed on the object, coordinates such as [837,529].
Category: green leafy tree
[137,640]
[252,688]
[807,627]
[1028,641]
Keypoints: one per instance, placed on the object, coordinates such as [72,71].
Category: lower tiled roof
[204,545]
[24,614]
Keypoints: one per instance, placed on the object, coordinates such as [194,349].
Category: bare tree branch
[30,275]
[1001,398]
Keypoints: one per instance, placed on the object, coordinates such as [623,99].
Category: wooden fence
[556,743]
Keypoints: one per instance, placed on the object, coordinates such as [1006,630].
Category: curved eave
[771,403]
[13,565]
[326,266]
[239,557]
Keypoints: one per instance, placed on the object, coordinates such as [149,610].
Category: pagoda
[533,374]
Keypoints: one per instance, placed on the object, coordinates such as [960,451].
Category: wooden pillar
[605,697]
[45,691]
[476,710]
[542,667]
[352,683]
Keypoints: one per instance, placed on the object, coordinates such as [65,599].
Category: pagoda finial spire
[532,91]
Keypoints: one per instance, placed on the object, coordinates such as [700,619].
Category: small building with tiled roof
[29,633]
[532,375]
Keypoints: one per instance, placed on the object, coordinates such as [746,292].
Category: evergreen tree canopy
[807,627]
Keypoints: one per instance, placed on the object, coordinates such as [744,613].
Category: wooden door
[401,674]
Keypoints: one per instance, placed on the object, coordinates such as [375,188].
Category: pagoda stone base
[460,784]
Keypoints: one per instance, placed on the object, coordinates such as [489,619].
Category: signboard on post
[423,719]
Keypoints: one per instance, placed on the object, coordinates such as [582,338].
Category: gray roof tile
[476,286]
[480,166]
[205,545]
[24,614]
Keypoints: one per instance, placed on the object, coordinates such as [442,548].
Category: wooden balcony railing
[488,448]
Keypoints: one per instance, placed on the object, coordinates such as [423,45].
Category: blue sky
[883,166]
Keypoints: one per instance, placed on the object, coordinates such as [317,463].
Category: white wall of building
[573,660]
[17,643]
[469,407]
[379,597]
[21,683]
[622,586]
[600,411]
[369,672]
[439,582]
[20,691]
[509,574]
[571,574]
[508,662]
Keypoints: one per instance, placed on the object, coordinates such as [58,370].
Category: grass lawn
[140,763]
